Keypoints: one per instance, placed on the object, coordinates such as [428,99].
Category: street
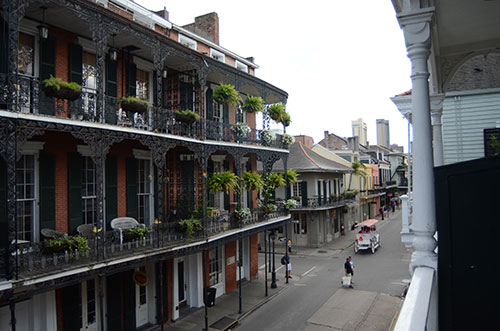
[315,300]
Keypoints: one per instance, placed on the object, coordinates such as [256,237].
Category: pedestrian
[352,269]
[348,269]
[397,204]
[285,259]
[393,205]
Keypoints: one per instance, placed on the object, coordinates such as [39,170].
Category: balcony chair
[52,234]
[120,224]
[85,230]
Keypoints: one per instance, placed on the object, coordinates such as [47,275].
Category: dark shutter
[210,170]
[210,105]
[303,189]
[128,301]
[319,192]
[72,307]
[4,222]
[324,192]
[162,292]
[47,68]
[75,63]
[111,189]
[4,46]
[131,79]
[225,115]
[111,77]
[114,302]
[225,166]
[155,91]
[163,93]
[47,168]
[131,168]
[74,191]
[186,90]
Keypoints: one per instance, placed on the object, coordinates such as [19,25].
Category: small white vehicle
[367,237]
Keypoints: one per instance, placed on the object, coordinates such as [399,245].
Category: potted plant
[72,244]
[275,111]
[57,88]
[290,204]
[287,139]
[252,181]
[269,208]
[266,137]
[226,93]
[133,104]
[241,129]
[186,116]
[137,232]
[291,176]
[190,227]
[285,119]
[242,214]
[253,104]
[224,181]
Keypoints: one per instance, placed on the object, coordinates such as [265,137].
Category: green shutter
[47,177]
[225,166]
[131,79]
[325,196]
[75,63]
[114,302]
[111,77]
[47,68]
[72,307]
[303,188]
[4,46]
[131,169]
[4,222]
[210,105]
[111,189]
[128,301]
[225,115]
[74,192]
[155,92]
[161,292]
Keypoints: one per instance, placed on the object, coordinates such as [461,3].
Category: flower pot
[134,107]
[55,249]
[184,118]
[62,93]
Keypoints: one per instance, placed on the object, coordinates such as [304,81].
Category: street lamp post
[272,236]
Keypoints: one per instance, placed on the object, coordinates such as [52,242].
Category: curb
[260,304]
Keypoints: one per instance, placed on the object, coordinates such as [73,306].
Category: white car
[367,237]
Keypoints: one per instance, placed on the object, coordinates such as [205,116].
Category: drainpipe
[12,306]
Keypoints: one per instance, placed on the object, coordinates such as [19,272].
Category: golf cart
[367,237]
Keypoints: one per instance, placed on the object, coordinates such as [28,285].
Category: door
[141,300]
[181,283]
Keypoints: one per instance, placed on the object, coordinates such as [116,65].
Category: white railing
[406,235]
[419,311]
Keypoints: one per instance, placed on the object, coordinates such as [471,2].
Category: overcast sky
[338,60]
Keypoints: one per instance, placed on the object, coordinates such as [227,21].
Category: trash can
[211,296]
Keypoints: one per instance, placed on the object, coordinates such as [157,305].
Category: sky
[337,60]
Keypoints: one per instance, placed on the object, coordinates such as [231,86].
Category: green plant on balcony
[57,88]
[287,139]
[242,214]
[137,232]
[133,104]
[290,204]
[253,104]
[224,181]
[275,111]
[285,119]
[226,93]
[269,208]
[266,137]
[241,129]
[190,227]
[198,212]
[73,244]
[292,176]
[186,116]
[252,181]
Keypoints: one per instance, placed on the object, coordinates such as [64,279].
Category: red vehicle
[367,237]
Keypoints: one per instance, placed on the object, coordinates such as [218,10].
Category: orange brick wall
[254,256]
[230,269]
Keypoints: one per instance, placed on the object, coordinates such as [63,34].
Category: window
[144,191]
[25,197]
[215,262]
[240,66]
[188,42]
[296,190]
[89,303]
[89,196]
[300,226]
[219,56]
[142,85]
[240,115]
[89,74]
[26,56]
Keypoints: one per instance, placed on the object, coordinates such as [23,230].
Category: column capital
[416,25]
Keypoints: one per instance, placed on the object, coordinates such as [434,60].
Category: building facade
[106,222]
[359,129]
[383,133]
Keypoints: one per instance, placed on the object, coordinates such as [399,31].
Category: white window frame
[188,42]
[143,155]
[218,167]
[217,55]
[84,301]
[240,66]
[219,261]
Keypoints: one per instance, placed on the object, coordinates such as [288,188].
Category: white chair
[120,224]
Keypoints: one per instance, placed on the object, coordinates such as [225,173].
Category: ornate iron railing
[32,259]
[316,202]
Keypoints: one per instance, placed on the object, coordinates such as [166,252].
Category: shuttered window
[25,198]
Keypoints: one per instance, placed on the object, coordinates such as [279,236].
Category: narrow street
[315,300]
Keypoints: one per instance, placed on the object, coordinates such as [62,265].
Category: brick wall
[230,269]
[254,256]
[206,26]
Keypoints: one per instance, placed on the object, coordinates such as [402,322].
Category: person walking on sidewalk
[352,269]
[348,269]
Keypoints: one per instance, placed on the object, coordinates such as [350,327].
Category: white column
[437,141]
[416,25]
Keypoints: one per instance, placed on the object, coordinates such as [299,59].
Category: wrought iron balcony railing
[28,98]
[35,259]
[322,202]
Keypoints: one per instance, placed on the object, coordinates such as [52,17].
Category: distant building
[383,137]
[397,148]
[359,130]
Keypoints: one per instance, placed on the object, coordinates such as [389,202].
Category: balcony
[30,100]
[321,203]
[34,260]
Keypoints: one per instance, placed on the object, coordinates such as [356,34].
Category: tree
[358,168]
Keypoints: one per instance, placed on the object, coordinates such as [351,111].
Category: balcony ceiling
[464,26]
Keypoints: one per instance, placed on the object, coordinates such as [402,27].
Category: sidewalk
[253,292]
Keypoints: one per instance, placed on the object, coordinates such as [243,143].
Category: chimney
[206,26]
[353,143]
[163,13]
[305,140]
[326,134]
